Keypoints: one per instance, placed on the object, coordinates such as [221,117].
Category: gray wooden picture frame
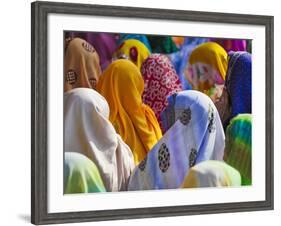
[39,107]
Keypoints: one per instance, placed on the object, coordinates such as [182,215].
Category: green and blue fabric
[238,147]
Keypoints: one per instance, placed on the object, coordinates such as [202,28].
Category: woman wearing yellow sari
[133,50]
[207,69]
[122,86]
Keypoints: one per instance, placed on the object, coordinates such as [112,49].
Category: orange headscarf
[81,66]
[122,86]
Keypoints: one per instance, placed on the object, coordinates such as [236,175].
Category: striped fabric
[238,147]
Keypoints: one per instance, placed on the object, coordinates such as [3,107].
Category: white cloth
[88,131]
[195,136]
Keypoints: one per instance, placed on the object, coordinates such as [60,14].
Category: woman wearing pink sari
[160,81]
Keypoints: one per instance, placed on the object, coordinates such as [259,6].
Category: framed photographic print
[140,112]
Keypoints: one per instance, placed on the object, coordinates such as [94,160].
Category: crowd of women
[155,112]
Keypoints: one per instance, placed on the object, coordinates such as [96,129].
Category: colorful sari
[180,59]
[207,69]
[237,94]
[122,86]
[81,65]
[195,135]
[238,146]
[88,131]
[160,81]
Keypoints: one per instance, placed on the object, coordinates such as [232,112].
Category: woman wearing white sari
[194,134]
[88,131]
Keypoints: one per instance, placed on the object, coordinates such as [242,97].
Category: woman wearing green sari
[81,175]
[238,146]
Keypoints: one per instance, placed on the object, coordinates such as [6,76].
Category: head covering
[162,44]
[212,174]
[231,44]
[195,136]
[81,175]
[81,65]
[207,70]
[180,58]
[87,130]
[238,146]
[122,86]
[104,43]
[212,54]
[237,94]
[141,38]
[239,82]
[160,81]
[133,50]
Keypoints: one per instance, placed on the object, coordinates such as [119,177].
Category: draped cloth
[88,131]
[180,58]
[237,95]
[133,50]
[238,146]
[239,82]
[212,173]
[207,70]
[81,175]
[212,54]
[122,86]
[104,43]
[195,135]
[81,65]
[160,81]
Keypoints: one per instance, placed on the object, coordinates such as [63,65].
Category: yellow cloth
[81,66]
[133,50]
[122,86]
[212,54]
[212,173]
